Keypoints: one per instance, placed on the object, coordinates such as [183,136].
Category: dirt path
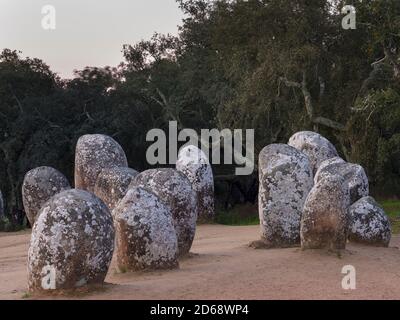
[223,267]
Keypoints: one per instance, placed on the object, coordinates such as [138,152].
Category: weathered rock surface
[194,164]
[145,234]
[325,216]
[285,181]
[41,184]
[316,147]
[369,223]
[94,153]
[112,184]
[172,187]
[72,243]
[353,174]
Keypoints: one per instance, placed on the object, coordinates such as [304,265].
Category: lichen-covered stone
[1,205]
[94,153]
[329,162]
[72,243]
[145,234]
[369,223]
[353,174]
[172,187]
[112,184]
[285,181]
[194,164]
[316,147]
[325,221]
[39,186]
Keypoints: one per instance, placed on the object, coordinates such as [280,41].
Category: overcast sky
[88,32]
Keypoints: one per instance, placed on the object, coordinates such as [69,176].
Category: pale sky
[88,32]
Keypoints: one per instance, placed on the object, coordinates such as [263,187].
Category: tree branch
[16,99]
[307,97]
[393,61]
[329,123]
[290,83]
[309,105]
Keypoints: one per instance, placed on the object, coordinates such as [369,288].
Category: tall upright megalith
[112,184]
[72,243]
[39,186]
[316,147]
[93,153]
[172,187]
[194,164]
[324,224]
[285,180]
[353,174]
[145,234]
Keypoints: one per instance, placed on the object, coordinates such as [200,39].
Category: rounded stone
[369,223]
[285,181]
[353,174]
[72,243]
[112,184]
[194,164]
[172,187]
[145,234]
[324,222]
[316,147]
[39,185]
[93,153]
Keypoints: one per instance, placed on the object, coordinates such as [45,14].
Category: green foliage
[374,132]
[241,215]
[277,66]
[392,208]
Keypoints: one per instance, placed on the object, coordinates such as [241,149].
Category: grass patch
[26,295]
[247,215]
[243,215]
[392,209]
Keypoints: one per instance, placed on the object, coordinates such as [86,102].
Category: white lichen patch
[112,184]
[145,234]
[316,147]
[285,181]
[325,220]
[369,223]
[172,187]
[39,186]
[353,174]
[194,164]
[74,234]
[93,154]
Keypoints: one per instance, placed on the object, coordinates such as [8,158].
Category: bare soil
[223,266]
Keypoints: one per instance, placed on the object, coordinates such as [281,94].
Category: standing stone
[94,153]
[72,242]
[315,146]
[172,187]
[369,223]
[353,174]
[112,184]
[327,163]
[324,222]
[39,186]
[194,164]
[285,181]
[145,233]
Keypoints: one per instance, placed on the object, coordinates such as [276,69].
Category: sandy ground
[223,267]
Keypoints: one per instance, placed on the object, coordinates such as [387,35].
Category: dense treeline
[278,66]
